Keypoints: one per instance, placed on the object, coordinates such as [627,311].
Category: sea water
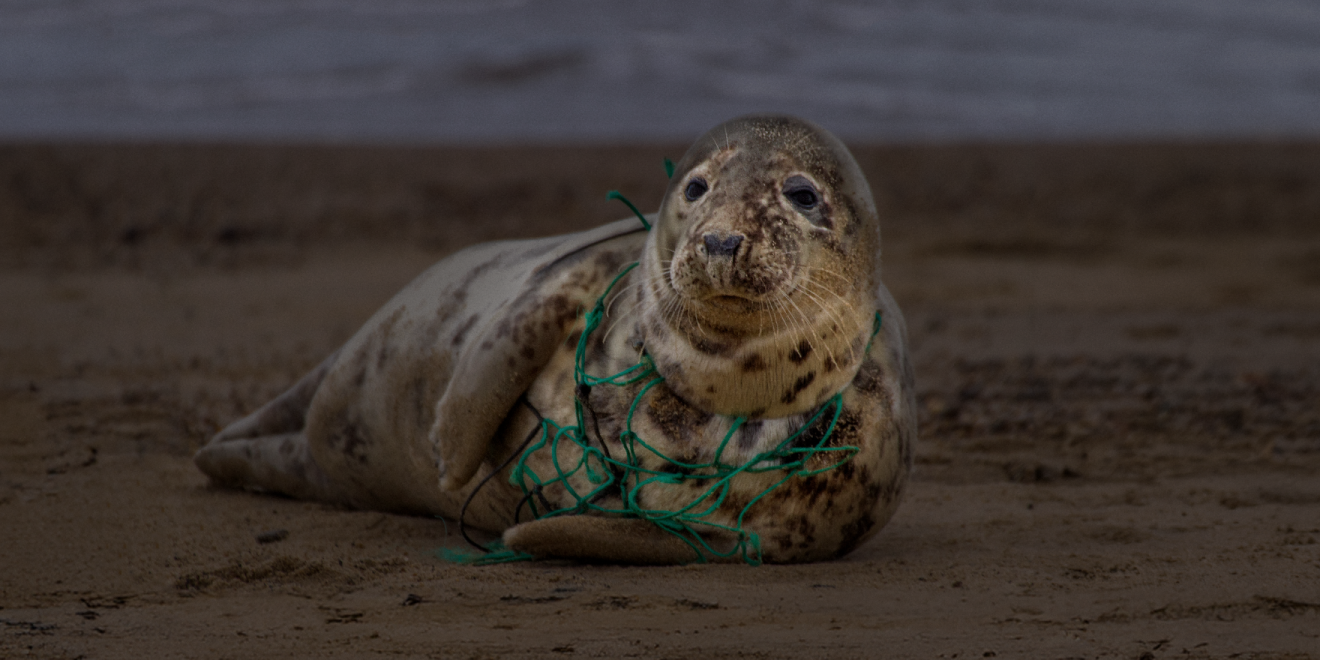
[462,71]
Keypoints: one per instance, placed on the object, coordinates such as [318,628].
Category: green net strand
[614,194]
[594,473]
[498,554]
[669,168]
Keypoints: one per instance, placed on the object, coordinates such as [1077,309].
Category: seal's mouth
[736,304]
[723,303]
[737,290]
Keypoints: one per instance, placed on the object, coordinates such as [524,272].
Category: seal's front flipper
[272,463]
[618,540]
[522,317]
[488,381]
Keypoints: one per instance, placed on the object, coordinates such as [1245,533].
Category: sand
[1118,357]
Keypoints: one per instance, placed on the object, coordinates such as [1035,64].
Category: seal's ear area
[511,345]
[616,540]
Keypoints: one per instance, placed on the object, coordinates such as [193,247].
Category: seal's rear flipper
[285,413]
[272,463]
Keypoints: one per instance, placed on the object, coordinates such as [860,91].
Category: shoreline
[131,193]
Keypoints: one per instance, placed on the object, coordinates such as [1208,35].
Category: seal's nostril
[722,247]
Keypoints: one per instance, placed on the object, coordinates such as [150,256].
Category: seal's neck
[783,359]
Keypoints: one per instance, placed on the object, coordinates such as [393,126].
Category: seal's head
[761,271]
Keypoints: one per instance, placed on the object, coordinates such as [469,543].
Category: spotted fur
[749,302]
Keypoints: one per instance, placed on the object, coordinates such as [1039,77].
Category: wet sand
[1118,359]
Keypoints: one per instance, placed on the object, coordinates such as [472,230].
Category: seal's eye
[695,188]
[806,198]
[800,191]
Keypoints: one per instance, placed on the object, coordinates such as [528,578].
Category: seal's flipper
[267,450]
[518,338]
[273,463]
[285,413]
[424,386]
[488,381]
[619,540]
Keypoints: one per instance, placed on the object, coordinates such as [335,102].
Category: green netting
[629,478]
[495,553]
[626,475]
[614,194]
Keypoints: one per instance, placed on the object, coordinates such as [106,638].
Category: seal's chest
[631,447]
[617,441]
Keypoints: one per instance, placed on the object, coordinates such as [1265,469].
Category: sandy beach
[1118,361]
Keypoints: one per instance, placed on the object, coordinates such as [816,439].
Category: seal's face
[765,253]
[745,224]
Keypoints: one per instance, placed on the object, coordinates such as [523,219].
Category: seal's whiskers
[806,321]
[817,292]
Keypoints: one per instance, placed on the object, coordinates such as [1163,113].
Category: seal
[757,306]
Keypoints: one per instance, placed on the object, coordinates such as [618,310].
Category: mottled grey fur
[749,304]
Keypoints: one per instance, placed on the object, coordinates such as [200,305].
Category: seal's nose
[722,247]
